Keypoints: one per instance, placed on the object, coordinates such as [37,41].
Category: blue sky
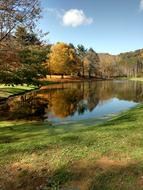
[112,26]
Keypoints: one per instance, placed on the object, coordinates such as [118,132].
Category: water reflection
[29,106]
[73,101]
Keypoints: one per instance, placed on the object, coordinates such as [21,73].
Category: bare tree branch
[17,12]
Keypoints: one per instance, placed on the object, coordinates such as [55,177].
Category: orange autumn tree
[62,59]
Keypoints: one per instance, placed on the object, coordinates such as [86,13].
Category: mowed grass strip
[6,91]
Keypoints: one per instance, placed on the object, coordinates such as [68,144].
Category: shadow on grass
[108,175]
[83,175]
[117,177]
[19,138]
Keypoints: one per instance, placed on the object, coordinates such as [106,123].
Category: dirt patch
[105,163]
[82,175]
[87,171]
[22,177]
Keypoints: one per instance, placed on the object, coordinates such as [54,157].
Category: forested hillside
[129,64]
[132,63]
[66,59]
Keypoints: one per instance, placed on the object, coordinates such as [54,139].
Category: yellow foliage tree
[62,59]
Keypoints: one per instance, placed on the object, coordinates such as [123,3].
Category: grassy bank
[105,156]
[6,91]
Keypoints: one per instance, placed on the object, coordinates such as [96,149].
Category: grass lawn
[106,156]
[6,91]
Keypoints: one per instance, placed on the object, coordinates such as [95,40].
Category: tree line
[66,59]
[25,58]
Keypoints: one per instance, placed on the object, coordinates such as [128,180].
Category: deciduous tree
[62,59]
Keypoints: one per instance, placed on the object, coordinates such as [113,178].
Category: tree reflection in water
[64,100]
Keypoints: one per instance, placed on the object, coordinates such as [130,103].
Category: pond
[69,102]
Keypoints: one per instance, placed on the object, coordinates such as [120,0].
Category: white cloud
[141,5]
[75,17]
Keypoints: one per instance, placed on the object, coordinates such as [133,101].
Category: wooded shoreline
[51,80]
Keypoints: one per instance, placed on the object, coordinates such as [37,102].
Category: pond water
[74,101]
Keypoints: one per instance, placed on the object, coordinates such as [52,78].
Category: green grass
[137,79]
[6,91]
[103,156]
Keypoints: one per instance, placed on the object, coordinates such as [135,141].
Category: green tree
[81,52]
[91,63]
[25,38]
[33,60]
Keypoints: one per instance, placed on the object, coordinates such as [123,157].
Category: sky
[111,26]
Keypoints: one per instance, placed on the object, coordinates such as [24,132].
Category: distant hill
[128,64]
[130,57]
